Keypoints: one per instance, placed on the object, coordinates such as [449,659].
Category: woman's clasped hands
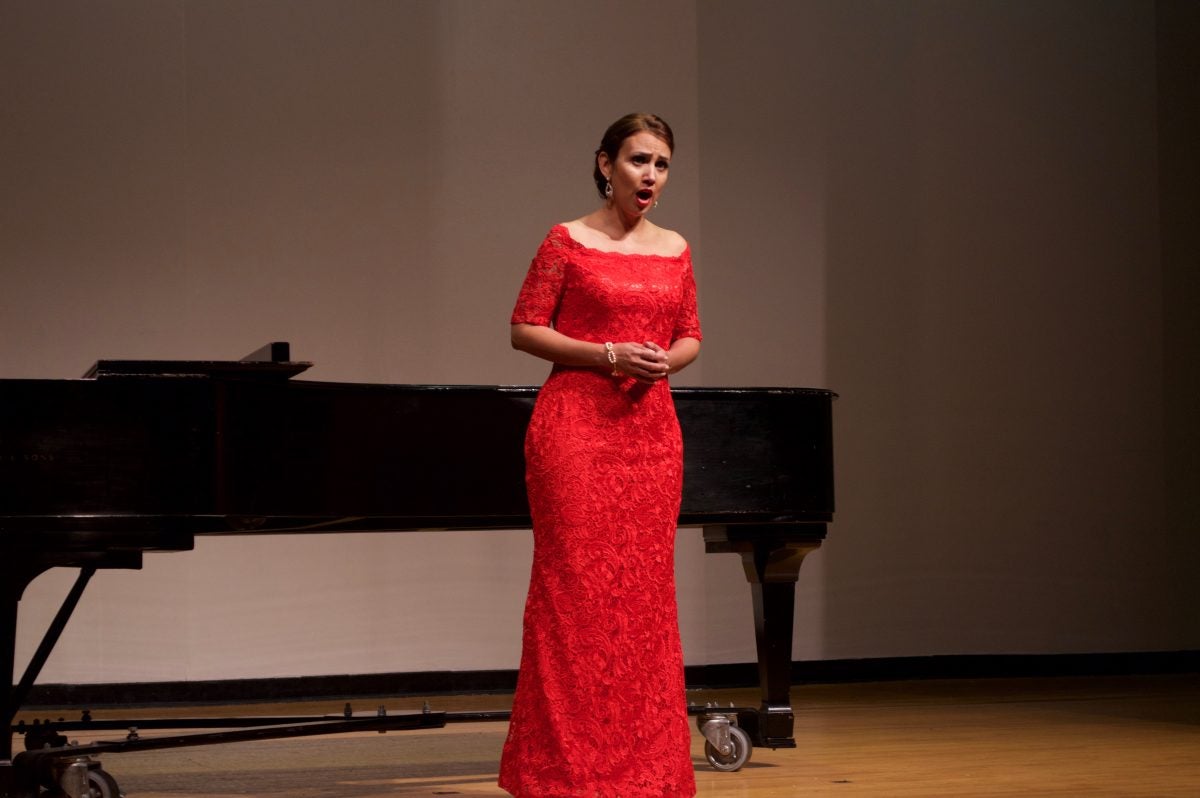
[646,362]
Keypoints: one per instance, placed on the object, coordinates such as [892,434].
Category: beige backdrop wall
[948,212]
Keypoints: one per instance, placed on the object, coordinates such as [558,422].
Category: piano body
[142,456]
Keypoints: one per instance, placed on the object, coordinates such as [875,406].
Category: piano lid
[271,362]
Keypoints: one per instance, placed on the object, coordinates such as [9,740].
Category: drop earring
[607,189]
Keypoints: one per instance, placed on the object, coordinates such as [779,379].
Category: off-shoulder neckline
[566,233]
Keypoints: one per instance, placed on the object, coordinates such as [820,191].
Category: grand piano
[143,456]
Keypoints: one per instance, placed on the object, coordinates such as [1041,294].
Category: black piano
[142,456]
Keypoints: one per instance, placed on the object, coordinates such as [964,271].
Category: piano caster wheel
[85,779]
[726,746]
[101,784]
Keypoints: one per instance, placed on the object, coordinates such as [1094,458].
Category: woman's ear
[605,165]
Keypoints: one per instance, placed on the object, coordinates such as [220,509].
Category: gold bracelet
[612,358]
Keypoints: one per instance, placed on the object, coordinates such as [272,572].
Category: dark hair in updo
[622,129]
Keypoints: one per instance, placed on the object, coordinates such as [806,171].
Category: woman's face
[639,173]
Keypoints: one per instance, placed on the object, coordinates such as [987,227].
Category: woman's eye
[663,165]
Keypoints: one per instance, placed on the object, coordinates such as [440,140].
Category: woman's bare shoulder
[672,243]
[588,230]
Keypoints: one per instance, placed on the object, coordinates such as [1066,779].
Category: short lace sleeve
[687,324]
[540,293]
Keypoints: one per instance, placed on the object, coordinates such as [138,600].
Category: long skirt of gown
[600,708]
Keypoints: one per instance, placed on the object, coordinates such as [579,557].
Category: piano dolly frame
[771,558]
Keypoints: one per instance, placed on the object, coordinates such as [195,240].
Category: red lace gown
[600,708]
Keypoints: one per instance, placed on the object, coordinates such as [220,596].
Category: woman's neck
[619,226]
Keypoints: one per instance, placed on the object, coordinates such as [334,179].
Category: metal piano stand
[71,770]
[63,769]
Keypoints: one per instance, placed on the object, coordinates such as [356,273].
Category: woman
[610,300]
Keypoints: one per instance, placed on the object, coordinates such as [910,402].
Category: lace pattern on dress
[600,710]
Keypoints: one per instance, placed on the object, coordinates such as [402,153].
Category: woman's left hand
[656,363]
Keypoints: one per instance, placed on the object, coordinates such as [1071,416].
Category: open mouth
[645,195]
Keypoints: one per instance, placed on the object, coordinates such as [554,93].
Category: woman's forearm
[549,344]
[682,353]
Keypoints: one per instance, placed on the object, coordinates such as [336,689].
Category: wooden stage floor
[1116,736]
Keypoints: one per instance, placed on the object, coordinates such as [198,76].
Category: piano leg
[14,782]
[8,653]
[14,581]
[771,558]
